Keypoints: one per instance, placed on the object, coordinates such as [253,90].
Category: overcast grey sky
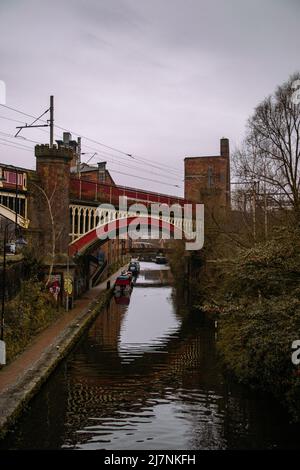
[160,79]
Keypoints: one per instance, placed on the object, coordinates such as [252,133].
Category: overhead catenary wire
[23,122]
[160,166]
[12,120]
[133,156]
[18,111]
[15,143]
[139,170]
[147,179]
[20,137]
[112,162]
[14,146]
[137,162]
[33,122]
[135,176]
[66,130]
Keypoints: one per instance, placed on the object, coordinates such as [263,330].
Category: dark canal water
[146,376]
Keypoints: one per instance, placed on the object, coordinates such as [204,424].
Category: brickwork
[94,176]
[207,178]
[53,172]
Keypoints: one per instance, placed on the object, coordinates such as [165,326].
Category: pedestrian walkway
[20,378]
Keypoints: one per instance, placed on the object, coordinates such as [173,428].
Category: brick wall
[207,178]
[53,172]
[94,176]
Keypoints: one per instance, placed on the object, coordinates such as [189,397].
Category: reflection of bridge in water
[115,392]
[97,391]
[159,277]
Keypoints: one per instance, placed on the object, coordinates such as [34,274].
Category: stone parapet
[54,152]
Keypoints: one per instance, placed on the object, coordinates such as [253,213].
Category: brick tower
[52,191]
[207,178]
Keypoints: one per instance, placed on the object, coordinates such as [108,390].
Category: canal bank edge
[14,399]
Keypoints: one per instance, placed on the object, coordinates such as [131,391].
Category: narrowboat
[123,283]
[134,267]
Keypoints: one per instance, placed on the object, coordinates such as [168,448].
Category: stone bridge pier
[50,212]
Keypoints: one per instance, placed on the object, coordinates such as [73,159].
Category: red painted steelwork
[88,191]
[10,179]
[87,240]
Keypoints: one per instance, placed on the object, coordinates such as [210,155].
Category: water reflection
[149,323]
[121,298]
[147,376]
[152,273]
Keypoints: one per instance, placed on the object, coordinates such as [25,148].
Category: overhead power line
[144,170]
[17,111]
[139,160]
[21,146]
[19,137]
[23,122]
[138,169]
[16,143]
[133,156]
[147,179]
[14,146]
[104,153]
[12,120]
[66,130]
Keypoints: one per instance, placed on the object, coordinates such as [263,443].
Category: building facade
[207,178]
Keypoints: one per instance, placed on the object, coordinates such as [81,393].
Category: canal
[146,376]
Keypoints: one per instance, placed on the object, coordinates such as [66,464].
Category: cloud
[160,79]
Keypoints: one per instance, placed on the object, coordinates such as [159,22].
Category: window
[101,176]
[210,177]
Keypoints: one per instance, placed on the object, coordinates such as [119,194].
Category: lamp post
[19,242]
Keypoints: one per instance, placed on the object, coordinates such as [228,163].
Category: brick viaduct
[49,190]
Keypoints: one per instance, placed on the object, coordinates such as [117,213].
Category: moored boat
[134,267]
[123,283]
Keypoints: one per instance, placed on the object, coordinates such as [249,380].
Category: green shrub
[32,310]
[260,318]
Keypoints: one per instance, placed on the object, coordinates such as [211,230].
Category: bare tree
[270,154]
[54,235]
